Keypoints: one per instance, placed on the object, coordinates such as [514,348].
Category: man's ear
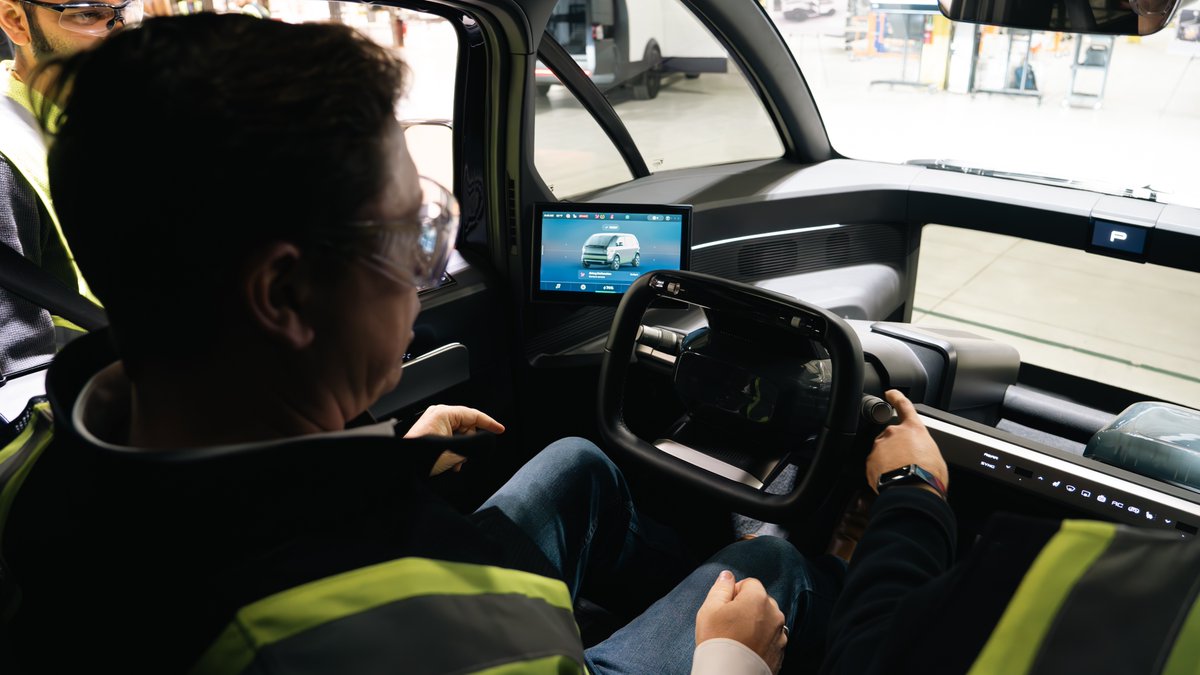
[14,22]
[277,287]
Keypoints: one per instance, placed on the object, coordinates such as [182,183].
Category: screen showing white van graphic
[583,251]
[611,249]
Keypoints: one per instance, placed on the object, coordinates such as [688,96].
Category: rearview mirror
[1109,17]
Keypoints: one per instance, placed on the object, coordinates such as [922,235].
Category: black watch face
[896,475]
[902,476]
[910,475]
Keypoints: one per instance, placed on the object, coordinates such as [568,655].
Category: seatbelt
[24,278]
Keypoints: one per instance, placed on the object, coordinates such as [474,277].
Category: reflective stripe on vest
[21,143]
[1102,598]
[19,455]
[412,615]
[1185,656]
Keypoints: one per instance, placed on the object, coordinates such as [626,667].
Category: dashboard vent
[769,258]
[801,252]
[514,220]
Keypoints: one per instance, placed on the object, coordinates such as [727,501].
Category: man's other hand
[743,611]
[905,443]
[452,420]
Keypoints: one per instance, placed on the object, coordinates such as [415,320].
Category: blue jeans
[575,505]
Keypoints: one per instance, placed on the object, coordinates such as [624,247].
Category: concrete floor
[1129,325]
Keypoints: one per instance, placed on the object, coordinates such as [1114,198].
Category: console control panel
[1107,496]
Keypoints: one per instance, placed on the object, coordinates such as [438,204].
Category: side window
[427,43]
[674,86]
[1131,325]
[429,46]
[570,150]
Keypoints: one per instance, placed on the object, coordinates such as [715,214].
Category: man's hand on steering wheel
[905,443]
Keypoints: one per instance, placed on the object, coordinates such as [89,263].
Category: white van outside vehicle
[619,43]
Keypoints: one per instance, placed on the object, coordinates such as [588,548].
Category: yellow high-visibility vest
[22,145]
[407,615]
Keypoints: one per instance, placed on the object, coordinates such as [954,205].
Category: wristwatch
[910,475]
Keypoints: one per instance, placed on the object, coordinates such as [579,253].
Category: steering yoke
[826,357]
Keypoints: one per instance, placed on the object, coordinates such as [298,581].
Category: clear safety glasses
[93,18]
[416,253]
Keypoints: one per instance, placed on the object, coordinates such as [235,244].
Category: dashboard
[967,388]
[774,224]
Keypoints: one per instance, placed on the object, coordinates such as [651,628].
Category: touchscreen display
[599,250]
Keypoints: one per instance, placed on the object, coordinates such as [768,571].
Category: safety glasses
[93,18]
[415,252]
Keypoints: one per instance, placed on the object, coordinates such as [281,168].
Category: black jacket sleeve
[909,542]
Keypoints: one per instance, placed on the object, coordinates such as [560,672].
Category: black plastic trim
[1054,415]
[572,77]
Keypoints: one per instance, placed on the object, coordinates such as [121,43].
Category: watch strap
[913,474]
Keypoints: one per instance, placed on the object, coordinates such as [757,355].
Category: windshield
[899,82]
[598,240]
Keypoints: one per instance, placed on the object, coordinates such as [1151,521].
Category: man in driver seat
[215,502]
